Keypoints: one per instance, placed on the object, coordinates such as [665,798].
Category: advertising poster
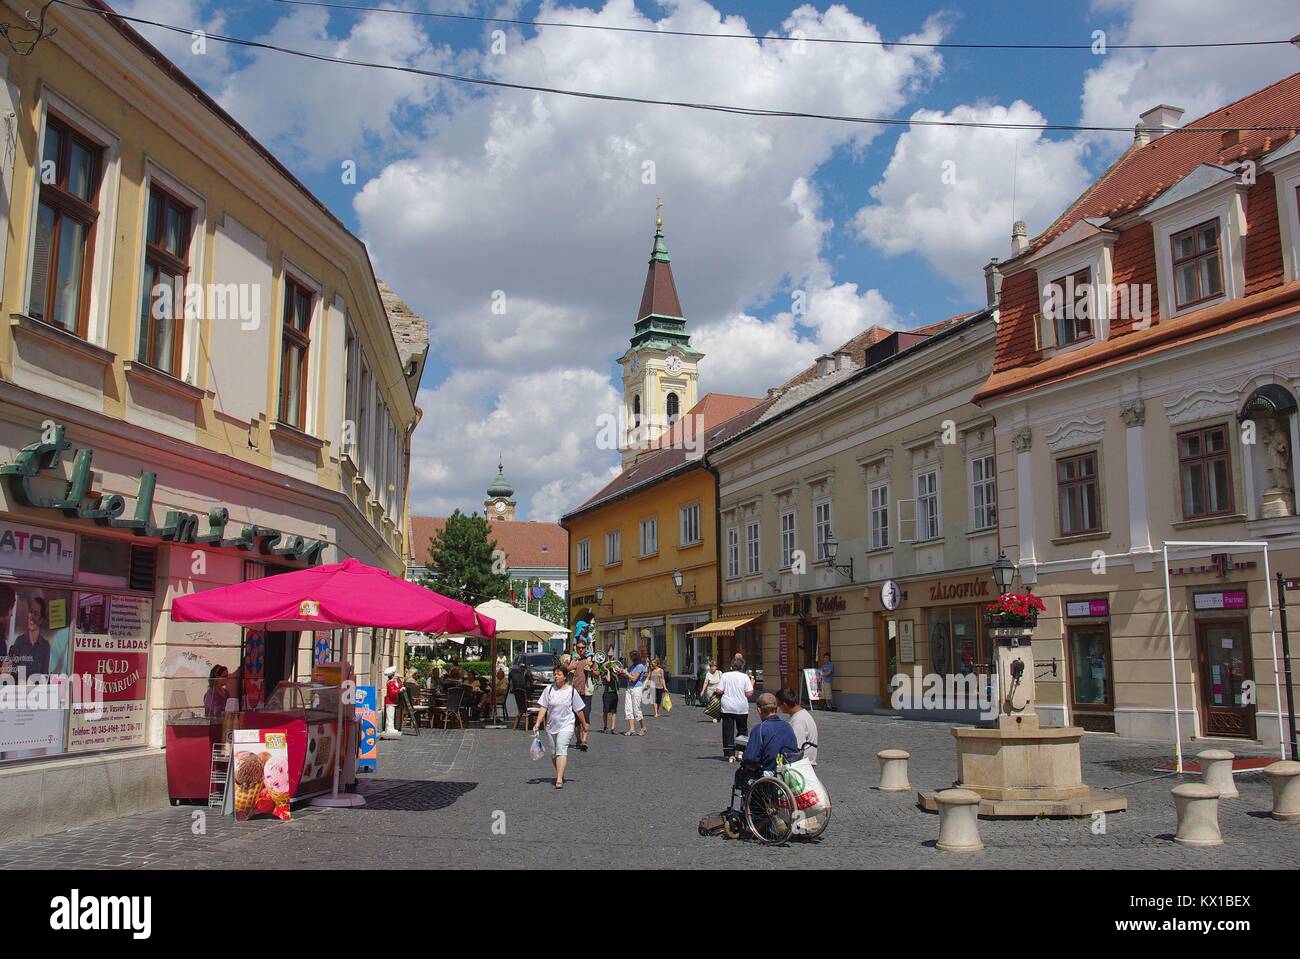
[813,680]
[368,727]
[34,635]
[110,659]
[260,773]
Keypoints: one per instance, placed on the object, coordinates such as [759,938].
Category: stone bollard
[1284,777]
[893,770]
[958,820]
[1216,771]
[1198,815]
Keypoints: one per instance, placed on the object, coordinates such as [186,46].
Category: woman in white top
[709,688]
[561,707]
[736,689]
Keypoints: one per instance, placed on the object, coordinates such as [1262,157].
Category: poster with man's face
[37,632]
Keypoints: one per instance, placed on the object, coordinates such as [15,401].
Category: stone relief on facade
[1133,412]
[1075,432]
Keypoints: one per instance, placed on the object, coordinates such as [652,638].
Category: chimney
[1019,238]
[825,364]
[1161,119]
[992,282]
[843,359]
[1141,135]
[773,392]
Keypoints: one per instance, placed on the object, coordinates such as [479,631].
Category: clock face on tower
[674,364]
[499,506]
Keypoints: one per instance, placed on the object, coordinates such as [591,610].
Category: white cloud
[947,193]
[208,61]
[1126,83]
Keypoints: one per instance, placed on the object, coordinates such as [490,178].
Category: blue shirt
[770,737]
[635,675]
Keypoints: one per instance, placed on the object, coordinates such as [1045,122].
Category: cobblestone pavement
[637,802]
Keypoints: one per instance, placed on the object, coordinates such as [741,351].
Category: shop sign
[890,595]
[1088,607]
[110,655]
[588,600]
[1230,599]
[178,527]
[35,551]
[260,770]
[906,641]
[831,604]
[970,589]
[367,710]
[796,606]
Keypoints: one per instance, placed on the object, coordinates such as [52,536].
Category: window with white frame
[1072,307]
[789,538]
[878,508]
[649,536]
[927,504]
[584,556]
[751,548]
[822,528]
[352,401]
[689,529]
[733,552]
[983,491]
[613,547]
[1197,264]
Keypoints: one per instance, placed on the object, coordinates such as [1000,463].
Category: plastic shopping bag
[536,750]
[667,703]
[811,800]
[647,695]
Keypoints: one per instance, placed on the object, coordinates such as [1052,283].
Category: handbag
[714,709]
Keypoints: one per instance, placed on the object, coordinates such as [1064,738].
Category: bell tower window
[674,407]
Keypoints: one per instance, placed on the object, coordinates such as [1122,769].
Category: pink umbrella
[336,596]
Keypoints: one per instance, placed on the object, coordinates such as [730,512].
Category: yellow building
[200,383]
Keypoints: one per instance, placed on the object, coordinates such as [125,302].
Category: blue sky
[463,192]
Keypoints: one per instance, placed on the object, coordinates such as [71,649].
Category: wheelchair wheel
[768,807]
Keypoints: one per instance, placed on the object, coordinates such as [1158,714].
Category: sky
[543,205]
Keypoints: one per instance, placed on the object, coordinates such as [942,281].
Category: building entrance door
[886,656]
[1224,659]
[1091,701]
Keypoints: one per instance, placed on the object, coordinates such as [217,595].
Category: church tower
[661,368]
[500,503]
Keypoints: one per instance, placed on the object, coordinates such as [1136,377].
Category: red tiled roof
[525,544]
[712,410]
[1142,173]
[856,347]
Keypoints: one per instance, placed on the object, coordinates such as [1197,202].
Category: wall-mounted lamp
[686,594]
[600,596]
[1004,571]
[832,550]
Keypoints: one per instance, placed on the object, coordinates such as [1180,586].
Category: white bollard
[1198,815]
[1216,771]
[893,770]
[1284,777]
[958,820]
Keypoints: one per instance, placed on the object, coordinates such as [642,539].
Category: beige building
[201,382]
[1144,391]
[879,450]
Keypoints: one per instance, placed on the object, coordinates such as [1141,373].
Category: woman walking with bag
[659,682]
[709,686]
[560,707]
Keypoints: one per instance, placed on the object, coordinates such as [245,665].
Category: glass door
[887,630]
[1225,665]
[1091,682]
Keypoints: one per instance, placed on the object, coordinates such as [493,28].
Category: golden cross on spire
[659,220]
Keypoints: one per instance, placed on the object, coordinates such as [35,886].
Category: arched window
[636,411]
[674,407]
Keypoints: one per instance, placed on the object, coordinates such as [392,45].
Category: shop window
[1077,494]
[1089,665]
[1205,472]
[957,644]
[1198,264]
[295,348]
[166,267]
[62,260]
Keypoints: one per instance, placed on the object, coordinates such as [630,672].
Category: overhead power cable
[649,101]
[663,32]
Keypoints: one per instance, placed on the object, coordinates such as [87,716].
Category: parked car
[541,666]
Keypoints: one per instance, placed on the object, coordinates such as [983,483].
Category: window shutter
[144,567]
[906,513]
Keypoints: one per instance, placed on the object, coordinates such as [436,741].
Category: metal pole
[1286,660]
[1173,672]
[1277,679]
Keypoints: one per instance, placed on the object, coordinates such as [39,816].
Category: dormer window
[1071,303]
[1198,264]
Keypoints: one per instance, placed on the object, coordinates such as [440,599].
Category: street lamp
[684,594]
[832,547]
[1004,571]
[600,596]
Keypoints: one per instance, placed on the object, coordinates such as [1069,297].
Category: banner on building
[110,665]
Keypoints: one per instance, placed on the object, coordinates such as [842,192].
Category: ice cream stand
[313,722]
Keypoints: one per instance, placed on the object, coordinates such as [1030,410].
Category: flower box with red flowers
[1014,611]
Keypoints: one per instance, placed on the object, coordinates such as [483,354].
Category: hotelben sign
[177,527]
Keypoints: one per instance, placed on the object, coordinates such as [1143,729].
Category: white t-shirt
[711,681]
[560,705]
[734,687]
[805,731]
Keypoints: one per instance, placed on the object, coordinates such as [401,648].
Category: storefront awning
[728,626]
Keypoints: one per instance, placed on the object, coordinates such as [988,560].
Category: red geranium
[1016,605]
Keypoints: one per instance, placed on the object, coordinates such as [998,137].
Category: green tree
[554,606]
[462,562]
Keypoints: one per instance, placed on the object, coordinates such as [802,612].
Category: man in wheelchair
[772,737]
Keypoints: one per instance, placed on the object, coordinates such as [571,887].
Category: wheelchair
[763,806]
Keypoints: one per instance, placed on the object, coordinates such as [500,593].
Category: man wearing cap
[392,693]
[582,676]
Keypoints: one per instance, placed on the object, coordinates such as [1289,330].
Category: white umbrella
[515,623]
